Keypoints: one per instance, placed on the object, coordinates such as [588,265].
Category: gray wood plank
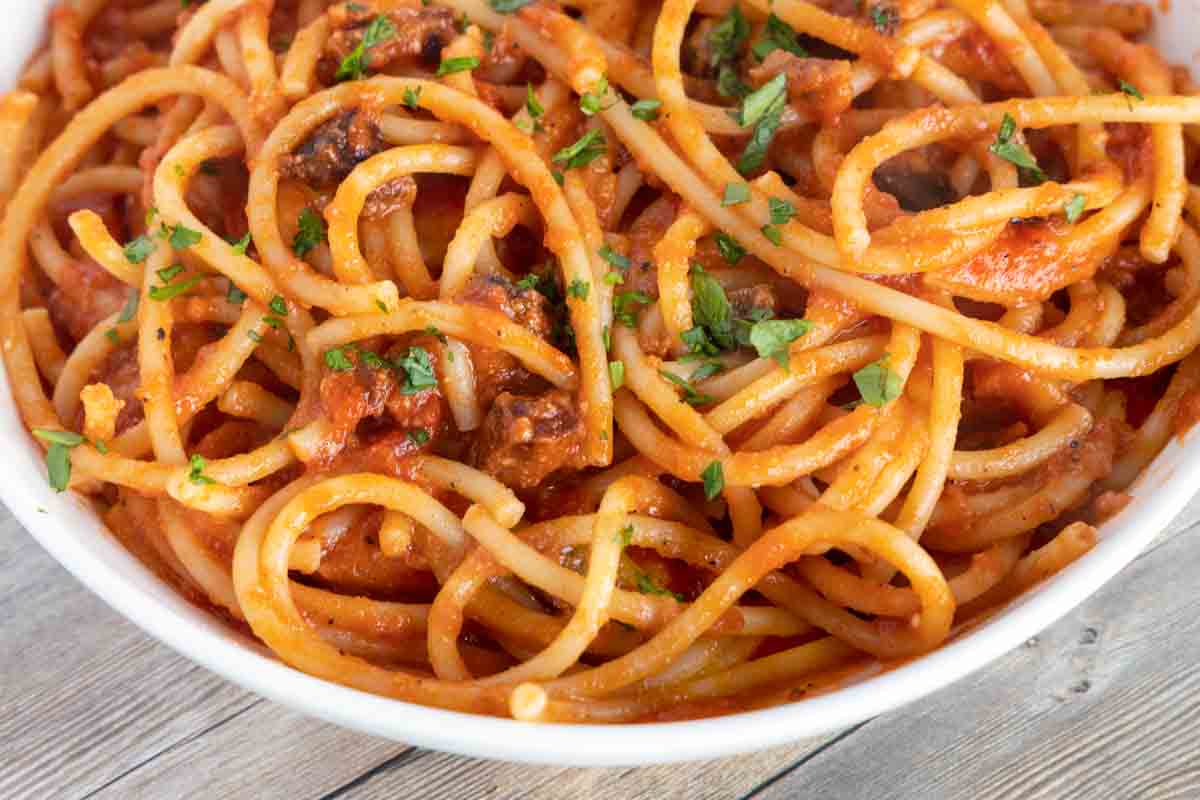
[85,696]
[428,774]
[166,728]
[267,753]
[1101,705]
[433,774]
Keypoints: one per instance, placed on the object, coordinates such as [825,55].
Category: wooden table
[1105,704]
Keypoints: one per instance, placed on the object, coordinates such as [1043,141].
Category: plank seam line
[846,734]
[191,737]
[401,758]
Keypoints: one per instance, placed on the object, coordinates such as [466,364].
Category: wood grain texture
[1101,706]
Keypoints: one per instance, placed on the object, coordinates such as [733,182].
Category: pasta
[596,362]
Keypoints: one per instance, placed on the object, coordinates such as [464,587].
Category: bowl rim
[101,563]
[69,529]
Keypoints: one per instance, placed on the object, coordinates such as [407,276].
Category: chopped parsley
[139,249]
[625,307]
[771,337]
[418,371]
[714,479]
[65,438]
[278,305]
[508,6]
[235,295]
[772,233]
[613,257]
[578,289]
[711,310]
[690,395]
[761,101]
[781,211]
[337,360]
[169,290]
[1014,152]
[1075,207]
[584,151]
[58,456]
[460,64]
[412,97]
[646,584]
[878,383]
[616,374]
[728,36]
[196,470]
[167,273]
[729,248]
[777,35]
[590,102]
[1129,90]
[646,110]
[762,108]
[241,245]
[309,234]
[735,194]
[534,108]
[354,66]
[729,83]
[179,236]
[884,18]
[625,536]
[418,437]
[130,309]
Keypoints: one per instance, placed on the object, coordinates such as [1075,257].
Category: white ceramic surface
[67,527]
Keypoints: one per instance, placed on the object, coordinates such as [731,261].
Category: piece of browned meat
[397,193]
[364,393]
[333,150]
[421,33]
[523,439]
[88,295]
[495,370]
[754,301]
[818,86]
[917,183]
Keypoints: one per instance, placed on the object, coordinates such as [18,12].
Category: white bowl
[68,528]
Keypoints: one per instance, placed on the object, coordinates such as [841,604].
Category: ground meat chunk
[698,56]
[977,56]
[645,232]
[526,307]
[525,439]
[1130,146]
[495,370]
[365,393]
[351,396]
[354,563]
[87,295]
[398,193]
[120,373]
[754,301]
[1027,263]
[333,150]
[917,184]
[421,33]
[817,86]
